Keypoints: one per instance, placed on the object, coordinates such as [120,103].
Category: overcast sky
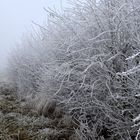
[15,19]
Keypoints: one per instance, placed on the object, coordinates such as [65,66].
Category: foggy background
[16,18]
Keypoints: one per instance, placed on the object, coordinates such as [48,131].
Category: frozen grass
[18,121]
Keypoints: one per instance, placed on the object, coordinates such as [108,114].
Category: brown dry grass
[18,121]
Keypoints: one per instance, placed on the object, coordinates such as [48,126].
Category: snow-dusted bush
[24,67]
[87,59]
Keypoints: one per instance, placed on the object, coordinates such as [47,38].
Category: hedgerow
[88,60]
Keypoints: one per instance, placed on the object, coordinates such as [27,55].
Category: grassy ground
[19,122]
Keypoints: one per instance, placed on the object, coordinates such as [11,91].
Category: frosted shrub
[88,60]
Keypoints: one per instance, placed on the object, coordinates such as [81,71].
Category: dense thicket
[87,59]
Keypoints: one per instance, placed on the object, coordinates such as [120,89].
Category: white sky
[15,19]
